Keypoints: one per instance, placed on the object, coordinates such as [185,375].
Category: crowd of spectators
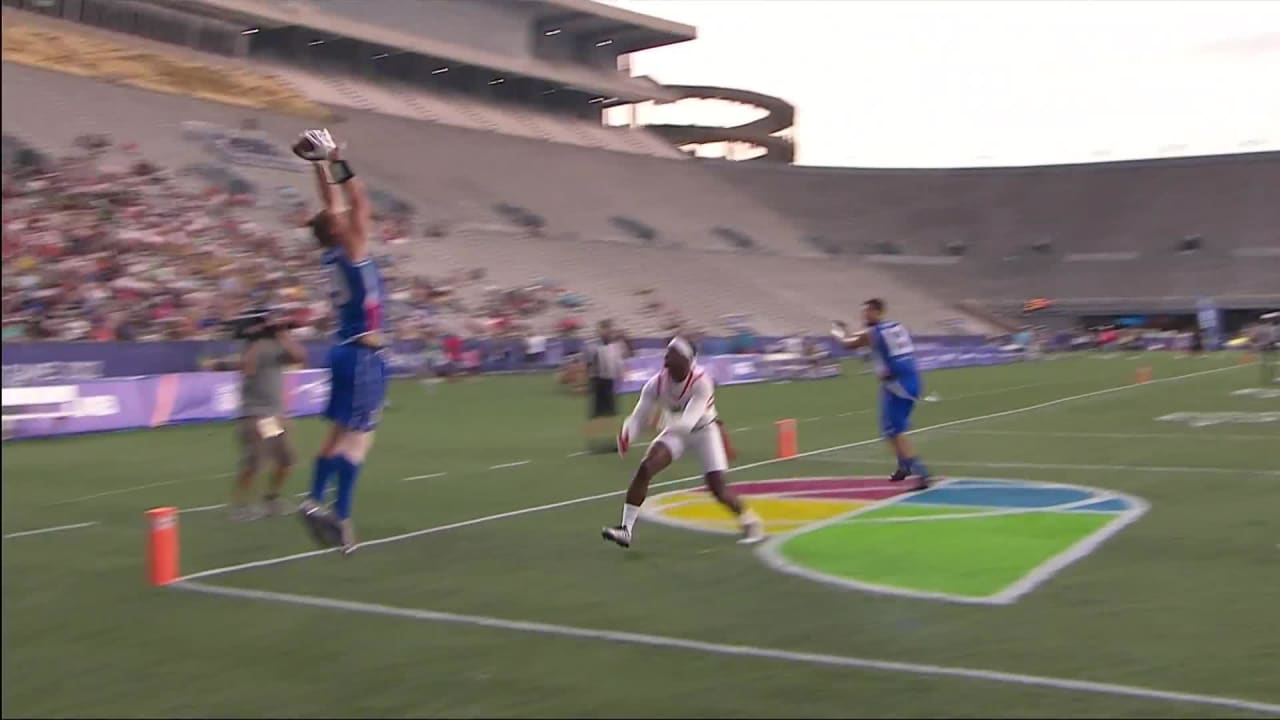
[99,244]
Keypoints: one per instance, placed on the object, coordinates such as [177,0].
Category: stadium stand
[1118,232]
[458,178]
[522,190]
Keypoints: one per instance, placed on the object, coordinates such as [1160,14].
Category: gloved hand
[315,145]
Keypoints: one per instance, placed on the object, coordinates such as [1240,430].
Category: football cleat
[619,535]
[323,529]
[752,532]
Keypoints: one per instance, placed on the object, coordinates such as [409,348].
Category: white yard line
[135,488]
[504,466]
[747,651]
[202,508]
[1073,466]
[42,531]
[428,476]
[1113,435]
[616,493]
[218,506]
[579,453]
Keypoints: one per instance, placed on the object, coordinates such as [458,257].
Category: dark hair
[875,304]
[321,225]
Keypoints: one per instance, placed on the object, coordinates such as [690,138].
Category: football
[305,149]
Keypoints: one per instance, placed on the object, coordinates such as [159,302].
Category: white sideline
[1071,466]
[42,531]
[504,466]
[1114,436]
[786,656]
[615,493]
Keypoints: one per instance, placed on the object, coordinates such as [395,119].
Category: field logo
[965,540]
[1205,419]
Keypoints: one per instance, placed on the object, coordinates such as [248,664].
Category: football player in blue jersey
[894,359]
[358,382]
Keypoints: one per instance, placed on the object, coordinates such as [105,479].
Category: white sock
[629,515]
[749,517]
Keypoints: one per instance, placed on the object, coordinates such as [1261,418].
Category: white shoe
[752,532]
[620,535]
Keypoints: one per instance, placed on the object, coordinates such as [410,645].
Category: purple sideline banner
[53,363]
[738,369]
[731,369]
[158,400]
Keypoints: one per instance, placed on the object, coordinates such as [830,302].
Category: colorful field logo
[964,540]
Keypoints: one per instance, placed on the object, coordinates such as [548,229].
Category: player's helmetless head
[872,311]
[679,360]
[327,227]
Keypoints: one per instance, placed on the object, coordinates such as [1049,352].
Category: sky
[904,83]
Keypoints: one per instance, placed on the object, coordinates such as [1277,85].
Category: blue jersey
[357,295]
[892,353]
[358,372]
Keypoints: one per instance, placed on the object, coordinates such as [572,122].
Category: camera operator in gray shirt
[262,425]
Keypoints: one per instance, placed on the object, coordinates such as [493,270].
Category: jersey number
[897,341]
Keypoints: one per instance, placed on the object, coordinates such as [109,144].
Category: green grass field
[513,607]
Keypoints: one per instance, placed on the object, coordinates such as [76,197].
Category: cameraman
[261,428]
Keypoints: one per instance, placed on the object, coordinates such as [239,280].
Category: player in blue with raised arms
[894,357]
[358,382]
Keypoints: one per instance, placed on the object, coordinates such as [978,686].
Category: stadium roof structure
[632,31]
[779,115]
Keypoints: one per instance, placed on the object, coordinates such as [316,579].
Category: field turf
[512,606]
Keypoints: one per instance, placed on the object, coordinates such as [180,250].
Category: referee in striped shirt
[606,361]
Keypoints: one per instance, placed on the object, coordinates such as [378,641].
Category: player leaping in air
[358,382]
[688,395]
[893,356]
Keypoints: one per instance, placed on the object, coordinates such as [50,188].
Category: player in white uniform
[688,397]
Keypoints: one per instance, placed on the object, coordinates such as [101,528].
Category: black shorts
[604,401]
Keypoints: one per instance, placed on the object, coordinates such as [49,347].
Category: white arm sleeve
[639,417]
[696,408]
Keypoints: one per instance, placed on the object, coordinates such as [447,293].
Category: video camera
[258,324]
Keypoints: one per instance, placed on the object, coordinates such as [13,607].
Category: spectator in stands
[100,244]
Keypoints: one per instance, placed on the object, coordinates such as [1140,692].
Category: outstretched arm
[840,332]
[328,194]
[359,210]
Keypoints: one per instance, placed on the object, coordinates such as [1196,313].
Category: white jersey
[689,405]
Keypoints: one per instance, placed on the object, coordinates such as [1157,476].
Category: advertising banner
[52,363]
[155,401]
[1210,320]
